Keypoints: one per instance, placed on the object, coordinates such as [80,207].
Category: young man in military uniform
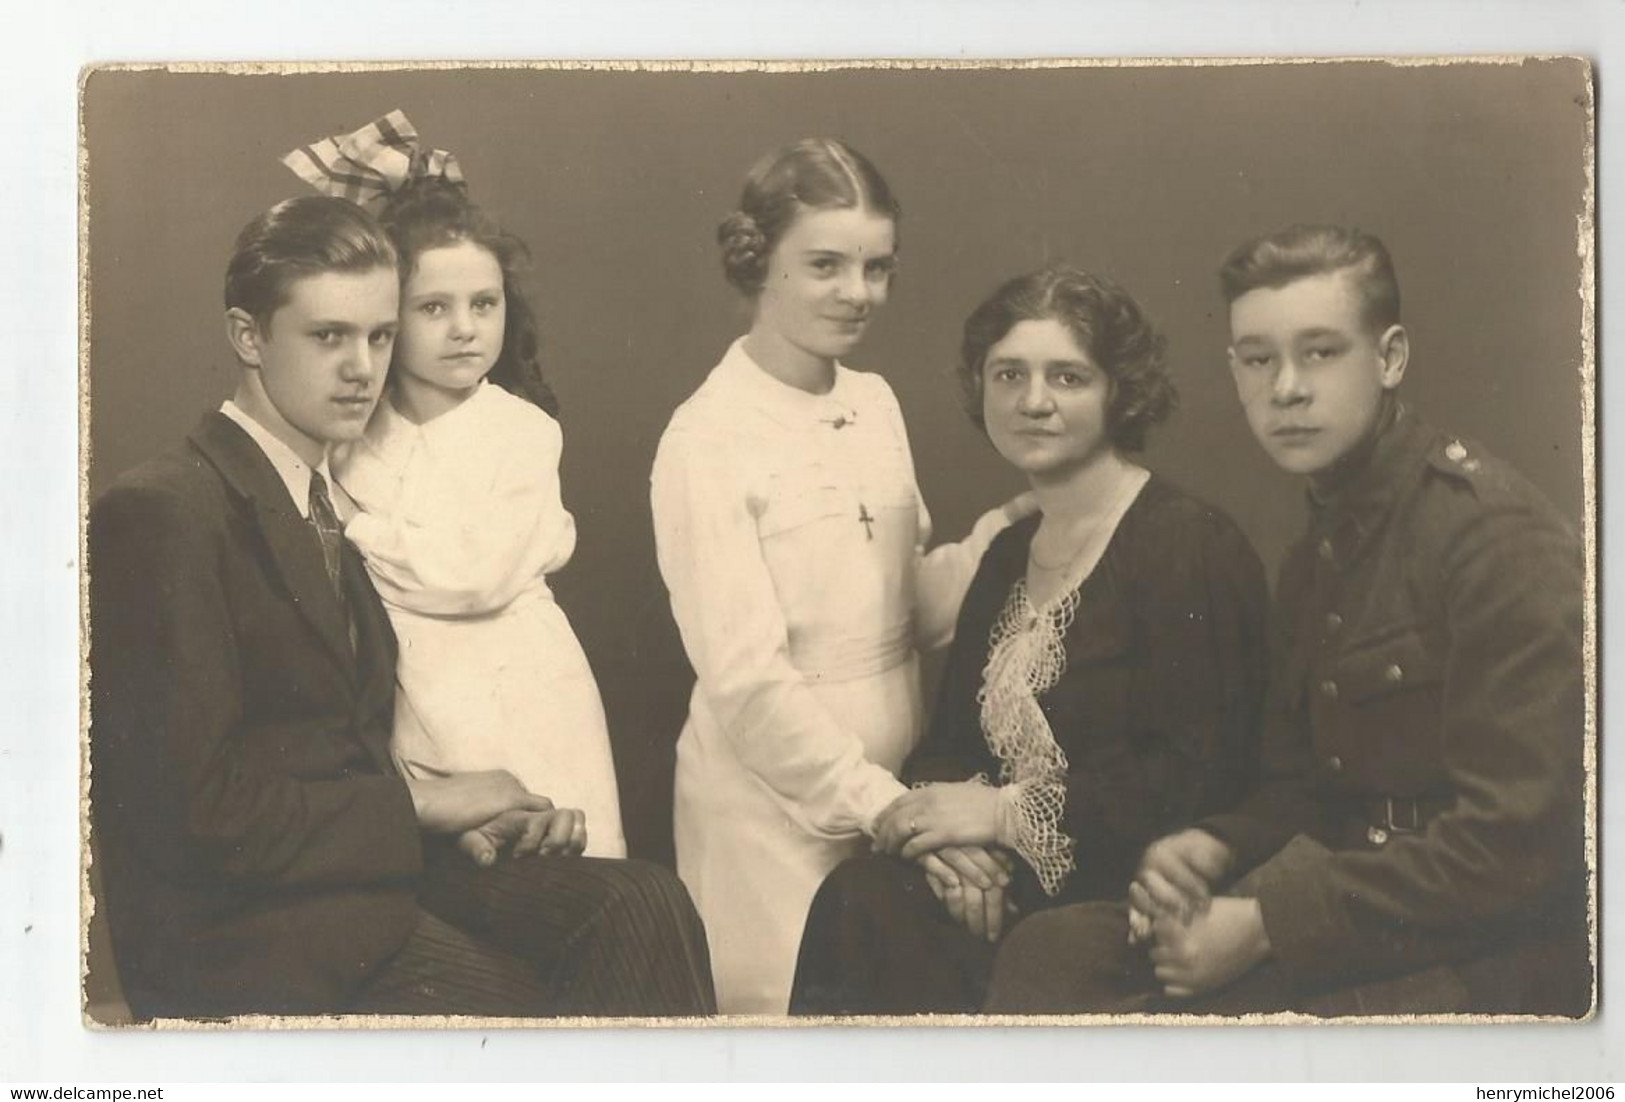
[1416,842]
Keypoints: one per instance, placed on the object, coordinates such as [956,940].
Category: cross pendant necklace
[866,520]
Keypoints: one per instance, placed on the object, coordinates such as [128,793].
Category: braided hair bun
[811,174]
[744,251]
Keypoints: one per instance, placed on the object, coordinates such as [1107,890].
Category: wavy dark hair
[299,238]
[811,174]
[1107,324]
[1297,252]
[431,213]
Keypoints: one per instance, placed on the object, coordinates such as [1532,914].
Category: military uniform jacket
[1425,721]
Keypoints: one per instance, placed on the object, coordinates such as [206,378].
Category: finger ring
[913,827]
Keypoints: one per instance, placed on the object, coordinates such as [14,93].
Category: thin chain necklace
[1131,483]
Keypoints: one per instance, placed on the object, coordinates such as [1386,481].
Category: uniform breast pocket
[1388,702]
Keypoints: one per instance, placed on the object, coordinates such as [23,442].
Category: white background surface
[41,1039]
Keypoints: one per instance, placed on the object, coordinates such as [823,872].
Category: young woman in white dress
[791,536]
[461,521]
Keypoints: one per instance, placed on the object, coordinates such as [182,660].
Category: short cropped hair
[299,238]
[1298,252]
[811,174]
[1107,324]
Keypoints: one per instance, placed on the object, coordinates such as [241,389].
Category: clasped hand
[561,831]
[491,813]
[1223,943]
[950,829]
[972,882]
[1176,876]
[926,819]
[1198,943]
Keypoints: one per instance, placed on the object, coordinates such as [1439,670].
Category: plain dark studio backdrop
[1473,174]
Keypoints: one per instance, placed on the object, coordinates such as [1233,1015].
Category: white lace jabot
[1026,658]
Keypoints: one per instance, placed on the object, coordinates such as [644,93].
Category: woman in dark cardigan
[1104,683]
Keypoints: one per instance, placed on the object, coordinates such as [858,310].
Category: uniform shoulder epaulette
[1465,461]
[1453,455]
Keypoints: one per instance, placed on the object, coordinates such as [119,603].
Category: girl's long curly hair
[431,213]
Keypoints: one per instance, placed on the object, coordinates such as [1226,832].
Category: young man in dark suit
[1416,844]
[261,853]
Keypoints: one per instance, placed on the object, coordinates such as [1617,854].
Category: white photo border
[41,1038]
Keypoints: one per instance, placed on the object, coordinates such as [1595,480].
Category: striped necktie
[326,523]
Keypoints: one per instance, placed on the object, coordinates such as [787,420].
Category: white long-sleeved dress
[460,522]
[791,535]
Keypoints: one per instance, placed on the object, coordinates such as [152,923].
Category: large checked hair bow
[366,166]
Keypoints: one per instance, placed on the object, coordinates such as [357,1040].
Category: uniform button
[1376,835]
[1328,689]
[1394,673]
[1333,621]
[1326,550]
[1334,763]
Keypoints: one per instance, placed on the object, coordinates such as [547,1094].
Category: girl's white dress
[460,523]
[790,534]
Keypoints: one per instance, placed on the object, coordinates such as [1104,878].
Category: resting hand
[518,833]
[463,801]
[975,865]
[1214,948]
[940,878]
[982,911]
[566,833]
[1139,926]
[938,815]
[1177,873]
[561,831]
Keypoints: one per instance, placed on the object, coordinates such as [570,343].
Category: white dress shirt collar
[784,403]
[294,472]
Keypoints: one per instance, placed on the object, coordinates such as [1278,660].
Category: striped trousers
[547,936]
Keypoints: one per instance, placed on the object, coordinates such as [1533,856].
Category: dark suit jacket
[260,852]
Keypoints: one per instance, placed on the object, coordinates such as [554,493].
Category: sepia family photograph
[805,543]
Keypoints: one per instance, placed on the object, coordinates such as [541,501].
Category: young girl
[460,521]
[790,533]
